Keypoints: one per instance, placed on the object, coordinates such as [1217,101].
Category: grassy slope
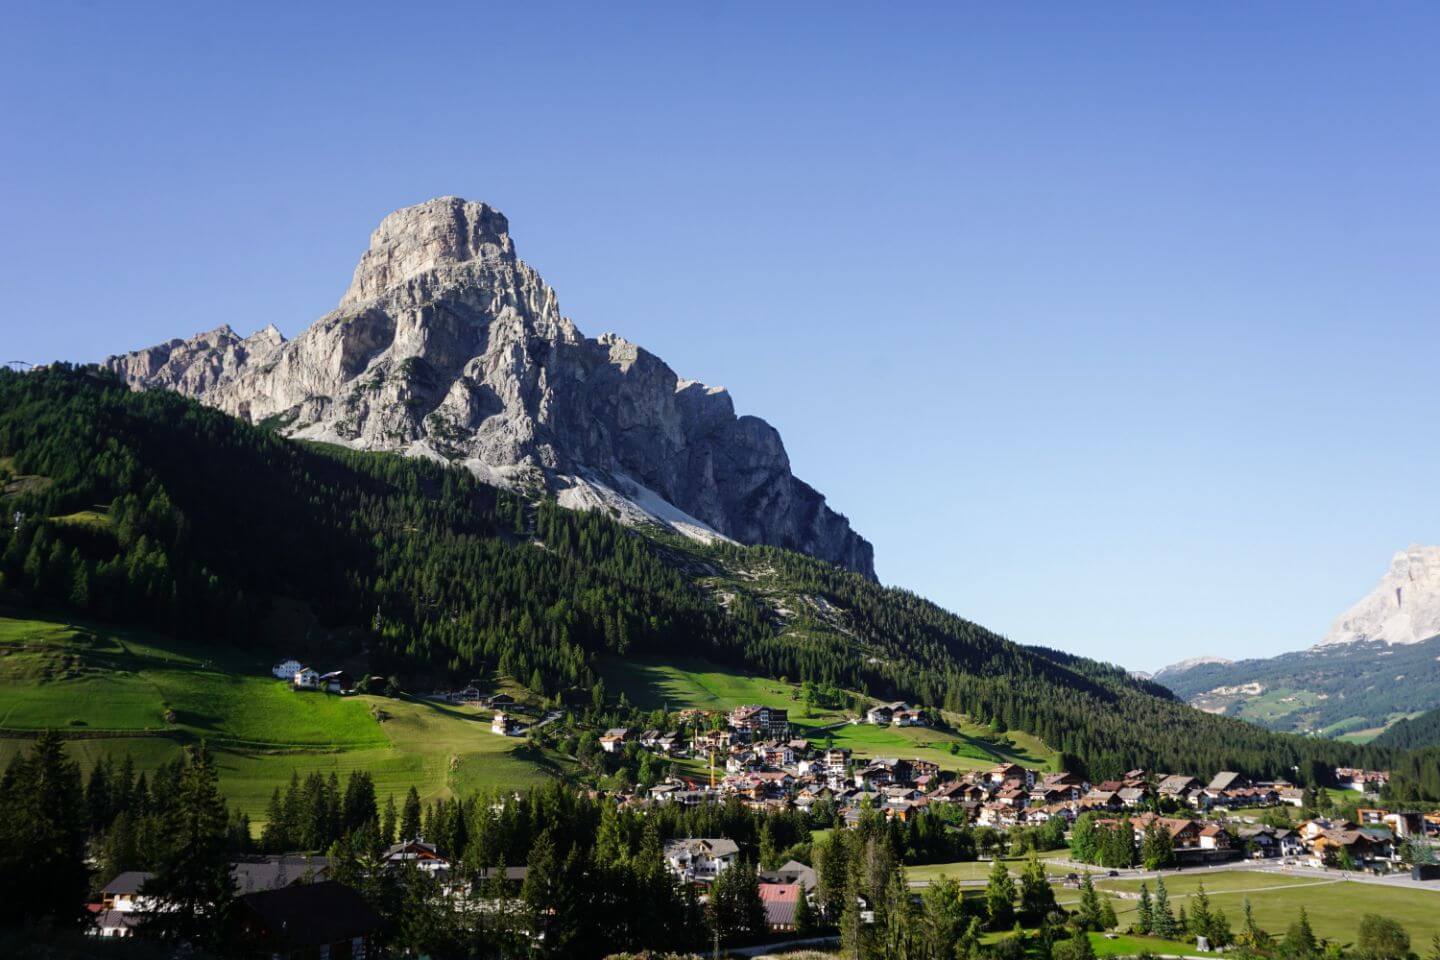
[698,684]
[111,688]
[1335,907]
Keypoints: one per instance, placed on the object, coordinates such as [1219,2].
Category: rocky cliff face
[1403,608]
[446,345]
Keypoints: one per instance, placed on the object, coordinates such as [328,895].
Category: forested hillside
[148,508]
[1332,689]
[1412,733]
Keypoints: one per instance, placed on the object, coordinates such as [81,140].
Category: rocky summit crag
[448,346]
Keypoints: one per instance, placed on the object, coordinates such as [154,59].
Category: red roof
[780,892]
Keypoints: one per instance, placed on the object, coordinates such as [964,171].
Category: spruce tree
[1200,918]
[1037,898]
[1088,913]
[1299,942]
[1145,918]
[192,882]
[387,821]
[1000,897]
[410,816]
[1162,921]
[804,914]
[43,821]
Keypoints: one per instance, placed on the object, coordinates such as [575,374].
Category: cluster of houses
[308,678]
[782,774]
[1364,781]
[286,906]
[897,714]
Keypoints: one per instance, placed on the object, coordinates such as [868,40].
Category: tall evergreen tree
[1088,913]
[1037,897]
[43,821]
[1161,919]
[192,883]
[410,816]
[387,820]
[1000,897]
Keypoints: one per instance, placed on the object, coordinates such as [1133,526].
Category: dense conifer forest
[1411,733]
[148,508]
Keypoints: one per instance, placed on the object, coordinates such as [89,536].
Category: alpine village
[435,627]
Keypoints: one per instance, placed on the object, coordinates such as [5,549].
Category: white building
[307,679]
[700,859]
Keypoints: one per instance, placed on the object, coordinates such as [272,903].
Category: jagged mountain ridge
[447,346]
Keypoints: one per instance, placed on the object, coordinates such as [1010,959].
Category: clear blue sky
[1113,326]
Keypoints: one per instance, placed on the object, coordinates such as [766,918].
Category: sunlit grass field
[1334,906]
[110,690]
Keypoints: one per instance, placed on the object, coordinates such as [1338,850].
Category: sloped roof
[311,914]
[128,882]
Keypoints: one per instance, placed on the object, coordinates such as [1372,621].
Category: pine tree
[192,880]
[274,838]
[1145,918]
[1162,921]
[899,930]
[387,821]
[736,911]
[1037,898]
[410,816]
[943,915]
[1200,919]
[1088,913]
[1000,897]
[1299,942]
[804,915]
[548,894]
[43,822]
[1252,937]
[769,856]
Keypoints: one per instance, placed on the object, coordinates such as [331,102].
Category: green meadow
[1334,906]
[706,686]
[123,693]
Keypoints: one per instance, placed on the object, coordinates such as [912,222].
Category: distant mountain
[1403,608]
[447,346]
[1175,669]
[1380,662]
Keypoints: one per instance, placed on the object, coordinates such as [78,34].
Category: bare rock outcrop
[1403,608]
[446,345]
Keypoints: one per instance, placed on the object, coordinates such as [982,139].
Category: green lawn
[702,685]
[1124,945]
[110,690]
[699,684]
[980,869]
[972,752]
[1334,906]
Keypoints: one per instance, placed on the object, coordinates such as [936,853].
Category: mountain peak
[420,238]
[448,346]
[1403,608]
